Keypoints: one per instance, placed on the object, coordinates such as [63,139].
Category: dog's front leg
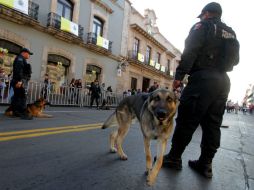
[161,146]
[43,115]
[148,155]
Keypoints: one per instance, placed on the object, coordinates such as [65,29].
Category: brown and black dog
[155,112]
[35,109]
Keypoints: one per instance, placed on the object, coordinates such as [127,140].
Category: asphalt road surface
[70,152]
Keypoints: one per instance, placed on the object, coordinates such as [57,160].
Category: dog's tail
[110,121]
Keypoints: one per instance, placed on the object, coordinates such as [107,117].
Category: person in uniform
[203,100]
[21,75]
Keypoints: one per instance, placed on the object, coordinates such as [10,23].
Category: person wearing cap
[203,100]
[21,76]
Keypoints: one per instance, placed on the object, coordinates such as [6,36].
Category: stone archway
[61,52]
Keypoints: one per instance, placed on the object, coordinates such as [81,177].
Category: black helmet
[212,7]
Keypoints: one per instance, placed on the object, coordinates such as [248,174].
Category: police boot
[202,167]
[171,162]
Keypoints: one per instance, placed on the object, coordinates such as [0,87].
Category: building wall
[117,17]
[42,43]
[158,43]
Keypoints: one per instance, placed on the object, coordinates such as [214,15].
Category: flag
[102,42]
[152,63]
[141,57]
[163,69]
[105,43]
[69,26]
[99,41]
[19,5]
[157,66]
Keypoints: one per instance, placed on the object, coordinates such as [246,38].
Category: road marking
[47,129]
[6,136]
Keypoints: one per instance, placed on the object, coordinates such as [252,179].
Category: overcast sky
[176,17]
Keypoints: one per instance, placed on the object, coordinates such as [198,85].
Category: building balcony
[24,16]
[136,57]
[139,59]
[63,29]
[99,44]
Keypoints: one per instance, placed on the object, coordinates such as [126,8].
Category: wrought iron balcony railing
[54,20]
[33,10]
[92,39]
[133,55]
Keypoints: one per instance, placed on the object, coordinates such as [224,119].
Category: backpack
[229,51]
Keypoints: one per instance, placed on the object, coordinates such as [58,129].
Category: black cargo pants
[19,100]
[202,103]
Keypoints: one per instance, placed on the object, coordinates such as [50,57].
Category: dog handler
[21,76]
[203,99]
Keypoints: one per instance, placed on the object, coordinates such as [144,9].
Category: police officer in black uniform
[21,75]
[203,100]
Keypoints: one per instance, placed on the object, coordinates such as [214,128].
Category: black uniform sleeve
[18,67]
[193,44]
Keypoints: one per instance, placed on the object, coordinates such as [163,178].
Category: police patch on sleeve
[197,26]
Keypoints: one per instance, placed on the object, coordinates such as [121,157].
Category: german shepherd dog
[35,109]
[155,112]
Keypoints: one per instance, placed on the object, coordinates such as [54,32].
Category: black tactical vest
[221,48]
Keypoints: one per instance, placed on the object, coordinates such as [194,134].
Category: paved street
[70,152]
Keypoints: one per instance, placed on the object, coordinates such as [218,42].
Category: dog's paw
[112,150]
[150,181]
[123,157]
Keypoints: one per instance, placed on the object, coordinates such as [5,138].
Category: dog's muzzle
[161,114]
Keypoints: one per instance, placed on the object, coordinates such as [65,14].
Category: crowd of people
[232,107]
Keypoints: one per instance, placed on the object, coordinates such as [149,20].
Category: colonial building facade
[105,40]
[149,55]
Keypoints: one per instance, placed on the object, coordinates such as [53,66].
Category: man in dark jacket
[203,99]
[21,75]
[154,87]
[95,92]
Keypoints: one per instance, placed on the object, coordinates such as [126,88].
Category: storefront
[57,70]
[8,52]
[93,73]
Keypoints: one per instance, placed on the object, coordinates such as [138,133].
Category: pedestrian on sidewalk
[95,92]
[204,98]
[46,87]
